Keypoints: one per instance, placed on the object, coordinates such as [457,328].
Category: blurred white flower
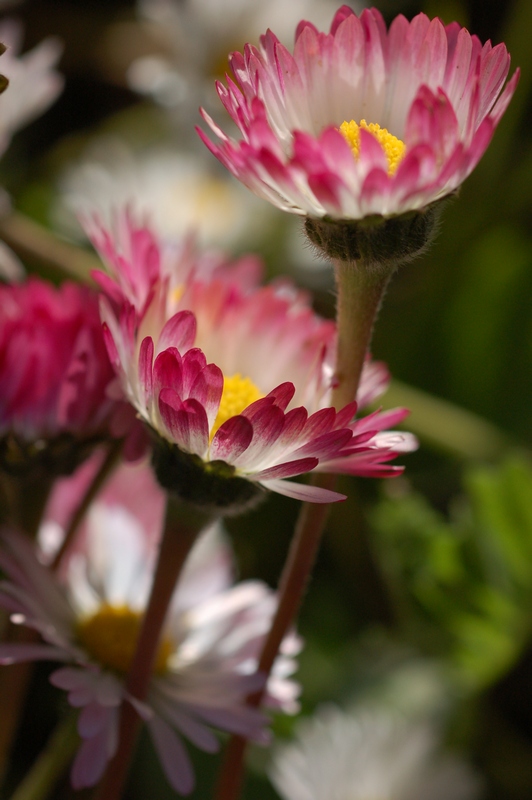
[197,36]
[177,191]
[34,82]
[369,754]
[33,85]
[89,619]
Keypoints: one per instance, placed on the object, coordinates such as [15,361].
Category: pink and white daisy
[90,620]
[362,120]
[239,379]
[55,375]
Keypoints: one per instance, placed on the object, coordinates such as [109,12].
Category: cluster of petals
[366,753]
[434,87]
[55,375]
[215,630]
[173,348]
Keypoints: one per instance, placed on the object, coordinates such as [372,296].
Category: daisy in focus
[89,619]
[362,120]
[235,378]
[366,755]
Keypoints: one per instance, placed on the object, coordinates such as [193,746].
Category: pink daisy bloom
[55,375]
[89,620]
[363,120]
[236,382]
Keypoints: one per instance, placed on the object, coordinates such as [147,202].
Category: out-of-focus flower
[362,121]
[34,82]
[369,754]
[55,376]
[179,75]
[33,85]
[133,485]
[178,191]
[90,621]
[259,411]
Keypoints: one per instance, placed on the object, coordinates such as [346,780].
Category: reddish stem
[175,546]
[360,293]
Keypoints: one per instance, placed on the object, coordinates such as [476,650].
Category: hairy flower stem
[359,296]
[178,537]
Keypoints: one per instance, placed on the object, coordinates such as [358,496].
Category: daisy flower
[362,121]
[90,618]
[236,381]
[177,72]
[55,376]
[33,85]
[181,191]
[369,754]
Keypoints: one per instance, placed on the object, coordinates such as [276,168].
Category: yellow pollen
[110,636]
[177,293]
[393,147]
[237,395]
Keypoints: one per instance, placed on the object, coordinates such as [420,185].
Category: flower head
[362,121]
[55,374]
[366,755]
[90,619]
[236,380]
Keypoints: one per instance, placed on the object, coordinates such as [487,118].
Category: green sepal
[211,486]
[379,243]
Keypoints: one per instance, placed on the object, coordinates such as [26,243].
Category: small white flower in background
[90,617]
[177,190]
[34,83]
[195,38]
[369,754]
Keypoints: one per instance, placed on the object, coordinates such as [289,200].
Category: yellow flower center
[177,293]
[110,636]
[237,395]
[393,147]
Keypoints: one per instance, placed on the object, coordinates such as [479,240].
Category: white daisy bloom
[205,665]
[177,191]
[371,754]
[34,82]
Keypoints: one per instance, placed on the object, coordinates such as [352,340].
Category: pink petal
[172,755]
[301,491]
[207,389]
[178,332]
[231,439]
[282,394]
[146,369]
[287,469]
[93,717]
[91,760]
[17,653]
[168,372]
[186,422]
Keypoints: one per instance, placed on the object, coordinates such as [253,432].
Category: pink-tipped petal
[303,492]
